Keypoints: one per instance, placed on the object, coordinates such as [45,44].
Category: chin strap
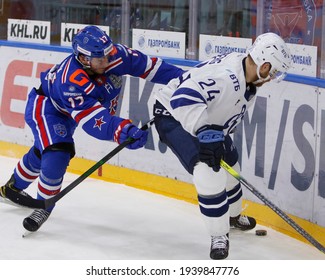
[84,65]
[260,79]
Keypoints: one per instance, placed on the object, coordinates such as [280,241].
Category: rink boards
[281,140]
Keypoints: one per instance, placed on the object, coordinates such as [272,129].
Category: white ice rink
[104,221]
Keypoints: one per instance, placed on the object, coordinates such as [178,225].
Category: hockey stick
[44,204]
[277,210]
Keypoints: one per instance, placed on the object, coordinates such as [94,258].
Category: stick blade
[24,201]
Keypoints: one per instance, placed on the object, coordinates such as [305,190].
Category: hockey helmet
[269,47]
[91,41]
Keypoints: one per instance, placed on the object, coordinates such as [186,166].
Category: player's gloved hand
[127,130]
[212,148]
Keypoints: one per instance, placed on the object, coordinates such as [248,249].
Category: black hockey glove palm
[212,149]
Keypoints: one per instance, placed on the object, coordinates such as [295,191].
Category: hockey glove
[127,130]
[211,149]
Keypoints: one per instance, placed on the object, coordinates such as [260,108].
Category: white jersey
[214,92]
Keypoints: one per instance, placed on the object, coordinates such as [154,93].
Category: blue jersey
[69,96]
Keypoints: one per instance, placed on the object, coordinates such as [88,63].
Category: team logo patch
[141,42]
[116,80]
[208,48]
[99,122]
[72,89]
[60,130]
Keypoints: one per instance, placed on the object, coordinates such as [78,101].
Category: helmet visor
[277,76]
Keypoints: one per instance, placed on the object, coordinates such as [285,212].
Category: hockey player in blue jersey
[195,115]
[82,90]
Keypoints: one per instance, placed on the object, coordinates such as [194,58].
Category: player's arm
[153,69]
[190,104]
[97,121]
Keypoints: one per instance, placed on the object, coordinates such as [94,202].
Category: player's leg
[25,172]
[55,160]
[213,202]
[53,136]
[234,191]
[28,168]
[182,144]
[210,185]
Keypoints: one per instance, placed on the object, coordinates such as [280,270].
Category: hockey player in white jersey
[195,115]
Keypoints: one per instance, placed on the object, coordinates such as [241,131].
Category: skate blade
[27,233]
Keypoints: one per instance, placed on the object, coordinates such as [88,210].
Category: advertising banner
[159,43]
[279,146]
[304,60]
[32,31]
[218,45]
[304,57]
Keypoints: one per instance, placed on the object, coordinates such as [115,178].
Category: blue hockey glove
[212,148]
[127,130]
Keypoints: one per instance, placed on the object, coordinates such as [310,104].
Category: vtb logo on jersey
[99,122]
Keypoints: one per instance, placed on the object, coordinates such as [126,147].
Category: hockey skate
[10,187]
[242,222]
[35,220]
[219,247]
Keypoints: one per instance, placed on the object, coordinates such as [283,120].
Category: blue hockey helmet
[92,41]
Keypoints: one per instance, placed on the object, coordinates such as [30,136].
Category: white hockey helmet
[269,47]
